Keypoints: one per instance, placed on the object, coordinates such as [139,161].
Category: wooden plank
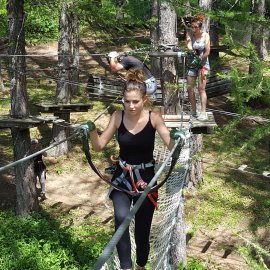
[196,126]
[9,122]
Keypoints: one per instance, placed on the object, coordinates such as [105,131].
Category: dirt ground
[85,192]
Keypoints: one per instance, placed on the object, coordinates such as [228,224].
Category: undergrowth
[46,241]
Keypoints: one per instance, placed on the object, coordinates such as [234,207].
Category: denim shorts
[151,85]
[194,72]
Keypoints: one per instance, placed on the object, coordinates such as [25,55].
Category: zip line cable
[134,51]
[55,143]
[36,153]
[242,168]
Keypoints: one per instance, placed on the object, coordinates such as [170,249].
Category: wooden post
[27,200]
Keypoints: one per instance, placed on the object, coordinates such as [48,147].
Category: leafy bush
[41,23]
[40,242]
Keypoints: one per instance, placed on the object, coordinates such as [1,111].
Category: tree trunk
[258,35]
[207,5]
[63,91]
[178,241]
[60,131]
[75,44]
[187,6]
[63,94]
[196,170]
[27,200]
[154,36]
[169,82]
[2,87]
[214,37]
[119,7]
[167,36]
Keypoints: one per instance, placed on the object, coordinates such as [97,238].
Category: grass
[231,200]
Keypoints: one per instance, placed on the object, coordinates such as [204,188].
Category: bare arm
[115,65]
[207,46]
[100,141]
[159,124]
[189,41]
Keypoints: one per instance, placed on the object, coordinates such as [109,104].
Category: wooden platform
[65,108]
[8,122]
[196,126]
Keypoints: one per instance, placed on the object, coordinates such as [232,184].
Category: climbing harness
[192,60]
[127,178]
[133,189]
[204,71]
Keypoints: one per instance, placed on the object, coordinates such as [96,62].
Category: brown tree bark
[75,47]
[167,35]
[119,7]
[2,87]
[207,5]
[27,200]
[63,91]
[258,35]
[214,37]
[154,36]
[167,22]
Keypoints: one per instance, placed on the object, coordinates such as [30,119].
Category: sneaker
[203,116]
[42,196]
[194,114]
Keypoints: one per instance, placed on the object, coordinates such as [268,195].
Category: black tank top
[138,148]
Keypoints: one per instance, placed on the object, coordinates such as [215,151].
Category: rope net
[165,219]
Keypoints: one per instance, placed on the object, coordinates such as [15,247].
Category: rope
[84,54]
[105,255]
[36,153]
[243,168]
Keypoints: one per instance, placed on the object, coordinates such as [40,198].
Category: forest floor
[72,186]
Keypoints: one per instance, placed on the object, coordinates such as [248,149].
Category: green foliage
[41,23]
[254,255]
[3,19]
[41,242]
[192,264]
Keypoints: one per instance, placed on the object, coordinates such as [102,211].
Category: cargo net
[165,218]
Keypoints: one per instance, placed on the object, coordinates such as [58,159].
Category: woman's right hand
[88,127]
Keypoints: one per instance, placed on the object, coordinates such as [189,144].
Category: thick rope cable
[36,153]
[242,168]
[140,50]
[105,255]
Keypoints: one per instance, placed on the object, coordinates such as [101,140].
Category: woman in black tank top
[135,127]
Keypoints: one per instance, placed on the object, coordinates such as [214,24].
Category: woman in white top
[198,42]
